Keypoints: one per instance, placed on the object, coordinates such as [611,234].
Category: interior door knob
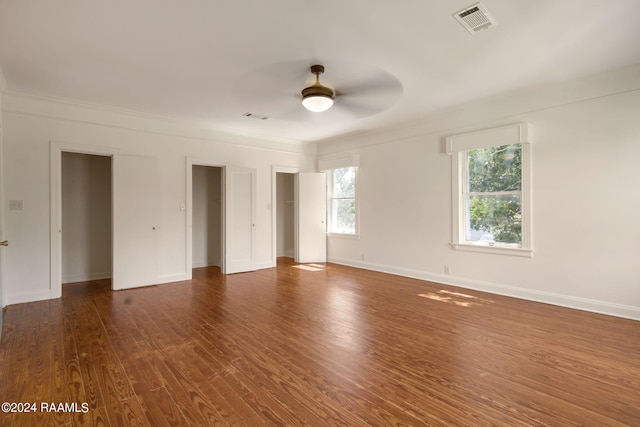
[4,243]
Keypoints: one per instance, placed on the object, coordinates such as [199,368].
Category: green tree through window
[493,196]
[342,203]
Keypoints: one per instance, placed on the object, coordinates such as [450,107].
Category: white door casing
[55,214]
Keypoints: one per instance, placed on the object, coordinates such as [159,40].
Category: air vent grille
[255,116]
[475,18]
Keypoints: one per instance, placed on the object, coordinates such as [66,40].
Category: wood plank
[327,345]
[59,391]
[160,409]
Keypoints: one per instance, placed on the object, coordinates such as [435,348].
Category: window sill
[497,250]
[344,236]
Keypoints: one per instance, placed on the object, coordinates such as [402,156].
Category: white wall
[586,197]
[285,219]
[30,123]
[207,216]
[86,217]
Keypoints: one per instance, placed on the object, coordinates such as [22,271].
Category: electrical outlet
[447,269]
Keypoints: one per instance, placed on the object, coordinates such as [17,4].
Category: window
[491,191]
[342,205]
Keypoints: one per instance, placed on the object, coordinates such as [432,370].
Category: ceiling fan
[351,91]
[317,98]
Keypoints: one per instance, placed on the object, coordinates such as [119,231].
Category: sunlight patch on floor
[309,267]
[456,298]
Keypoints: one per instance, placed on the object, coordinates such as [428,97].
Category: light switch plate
[15,205]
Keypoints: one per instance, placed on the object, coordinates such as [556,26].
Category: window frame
[458,147]
[330,203]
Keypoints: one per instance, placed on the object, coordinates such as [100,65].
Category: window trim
[457,147]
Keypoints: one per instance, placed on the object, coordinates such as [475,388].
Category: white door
[311,217]
[136,203]
[2,248]
[240,213]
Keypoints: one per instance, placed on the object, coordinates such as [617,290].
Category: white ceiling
[211,61]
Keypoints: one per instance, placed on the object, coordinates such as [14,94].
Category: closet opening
[207,216]
[86,208]
[285,215]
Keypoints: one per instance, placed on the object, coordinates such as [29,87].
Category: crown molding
[83,112]
[494,109]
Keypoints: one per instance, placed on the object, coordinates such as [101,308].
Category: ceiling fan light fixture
[317,98]
[317,103]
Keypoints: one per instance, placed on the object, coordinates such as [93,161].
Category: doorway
[238,217]
[280,176]
[55,214]
[308,199]
[285,215]
[207,216]
[86,197]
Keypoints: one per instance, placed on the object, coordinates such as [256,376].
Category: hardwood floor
[315,345]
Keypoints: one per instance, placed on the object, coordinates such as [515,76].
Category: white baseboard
[169,278]
[28,297]
[263,265]
[86,277]
[205,264]
[579,303]
[289,253]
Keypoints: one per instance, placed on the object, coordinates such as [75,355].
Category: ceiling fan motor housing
[318,90]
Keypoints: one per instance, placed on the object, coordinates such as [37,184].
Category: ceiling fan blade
[378,85]
[368,92]
[381,89]
[297,113]
[368,101]
[272,88]
[349,109]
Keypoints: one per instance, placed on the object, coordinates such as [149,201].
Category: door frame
[189,164]
[274,214]
[56,148]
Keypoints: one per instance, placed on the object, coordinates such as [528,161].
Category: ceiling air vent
[255,116]
[475,18]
